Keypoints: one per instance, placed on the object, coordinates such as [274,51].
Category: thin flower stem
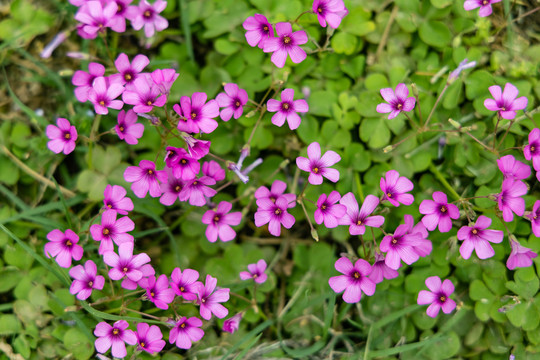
[480,142]
[142,313]
[307,215]
[301,14]
[224,186]
[386,32]
[218,158]
[241,297]
[495,131]
[505,133]
[263,110]
[110,280]
[443,181]
[411,121]
[109,299]
[435,106]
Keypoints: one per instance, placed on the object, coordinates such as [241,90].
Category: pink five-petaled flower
[186,331]
[286,43]
[512,168]
[478,238]
[233,101]
[359,219]
[395,189]
[112,230]
[62,137]
[197,148]
[484,5]
[258,30]
[128,73]
[329,11]
[182,164]
[287,109]
[438,212]
[196,190]
[399,246]
[231,324]
[147,15]
[184,283]
[144,96]
[255,272]
[127,128]
[64,247]
[114,198]
[328,211]
[116,336]
[438,297]
[145,178]
[96,18]
[354,280]
[149,338]
[85,280]
[422,245]
[213,170]
[127,266]
[209,300]
[510,199]
[505,102]
[532,149]
[83,80]
[397,102]
[274,214]
[164,78]
[170,191]
[318,166]
[534,216]
[120,16]
[103,95]
[520,256]
[219,221]
[197,115]
[158,291]
[380,271]
[277,190]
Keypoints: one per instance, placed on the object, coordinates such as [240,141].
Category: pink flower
[128,73]
[438,297]
[233,101]
[185,332]
[438,212]
[213,170]
[484,5]
[231,324]
[127,266]
[182,165]
[274,214]
[158,291]
[197,115]
[286,43]
[145,178]
[149,338]
[287,109]
[196,190]
[127,128]
[277,190]
[85,280]
[147,15]
[318,166]
[115,199]
[397,102]
[112,230]
[510,199]
[478,238]
[164,79]
[505,103]
[395,189]
[102,95]
[520,256]
[84,80]
[219,222]
[328,211]
[96,18]
[399,246]
[209,300]
[64,247]
[116,336]
[422,245]
[532,149]
[329,11]
[120,16]
[256,272]
[258,30]
[354,280]
[143,95]
[170,190]
[534,216]
[359,219]
[62,137]
[197,148]
[380,271]
[512,168]
[184,283]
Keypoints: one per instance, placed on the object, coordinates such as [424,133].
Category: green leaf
[9,324]
[479,291]
[375,133]
[344,43]
[435,33]
[78,344]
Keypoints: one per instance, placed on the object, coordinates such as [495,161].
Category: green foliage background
[379,44]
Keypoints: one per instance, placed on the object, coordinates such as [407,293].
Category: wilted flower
[231,324]
[520,256]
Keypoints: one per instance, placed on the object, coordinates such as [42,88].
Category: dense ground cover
[442,61]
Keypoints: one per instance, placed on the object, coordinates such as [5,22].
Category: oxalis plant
[307,194]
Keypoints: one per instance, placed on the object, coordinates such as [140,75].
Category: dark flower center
[195,182]
[265,28]
[272,198]
[125,269]
[109,206]
[474,231]
[503,108]
[356,275]
[442,298]
[115,331]
[323,207]
[149,103]
[485,2]
[143,344]
[255,276]
[150,172]
[106,231]
[90,283]
[443,209]
[102,103]
[127,76]
[67,136]
[399,106]
[287,40]
[359,222]
[183,161]
[237,104]
[315,170]
[389,194]
[532,148]
[152,294]
[182,289]
[119,8]
[193,115]
[183,325]
[177,188]
[277,211]
[122,129]
[319,10]
[394,241]
[216,218]
[285,106]
[69,243]
[147,14]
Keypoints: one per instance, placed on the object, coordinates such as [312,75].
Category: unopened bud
[455,124]
[314,234]
[251,113]
[388,149]
[414,90]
